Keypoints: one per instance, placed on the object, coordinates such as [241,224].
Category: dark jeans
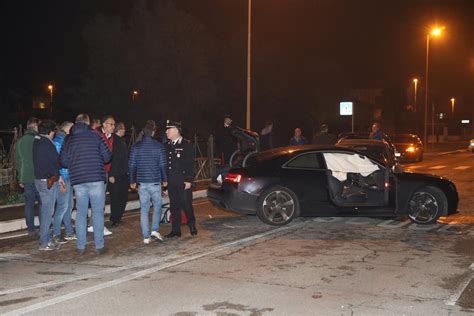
[118,197]
[31,195]
[180,199]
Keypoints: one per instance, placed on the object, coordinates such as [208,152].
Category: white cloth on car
[342,163]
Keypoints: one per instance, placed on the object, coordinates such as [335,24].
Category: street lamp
[249,63]
[415,82]
[134,94]
[452,105]
[435,32]
[50,88]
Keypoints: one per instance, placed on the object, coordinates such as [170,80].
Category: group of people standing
[55,162]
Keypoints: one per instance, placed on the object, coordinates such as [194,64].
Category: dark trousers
[118,197]
[181,199]
[31,196]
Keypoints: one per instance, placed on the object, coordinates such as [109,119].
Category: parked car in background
[380,150]
[409,147]
[365,135]
[471,145]
[281,184]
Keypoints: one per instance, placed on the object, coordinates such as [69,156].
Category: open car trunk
[248,145]
[356,181]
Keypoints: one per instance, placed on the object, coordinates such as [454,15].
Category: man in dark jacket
[298,138]
[147,168]
[180,154]
[324,137]
[376,132]
[25,172]
[225,142]
[266,136]
[46,165]
[118,180]
[85,154]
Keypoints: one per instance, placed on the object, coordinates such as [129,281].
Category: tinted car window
[305,161]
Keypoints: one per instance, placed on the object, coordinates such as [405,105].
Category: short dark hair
[83,118]
[105,118]
[46,127]
[119,126]
[95,121]
[32,121]
[149,128]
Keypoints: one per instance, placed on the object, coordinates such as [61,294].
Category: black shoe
[115,223]
[172,235]
[193,230]
[100,251]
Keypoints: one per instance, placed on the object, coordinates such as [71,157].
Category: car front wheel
[277,206]
[426,205]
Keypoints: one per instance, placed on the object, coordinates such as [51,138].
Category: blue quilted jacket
[147,162]
[84,154]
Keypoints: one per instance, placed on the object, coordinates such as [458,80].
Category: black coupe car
[281,184]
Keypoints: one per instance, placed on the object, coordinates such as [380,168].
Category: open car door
[356,181]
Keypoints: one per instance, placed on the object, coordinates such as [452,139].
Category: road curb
[19,224]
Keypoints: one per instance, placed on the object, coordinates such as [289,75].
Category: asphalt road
[239,266]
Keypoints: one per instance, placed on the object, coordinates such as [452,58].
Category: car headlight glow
[410,149]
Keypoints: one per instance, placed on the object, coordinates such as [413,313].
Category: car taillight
[233,177]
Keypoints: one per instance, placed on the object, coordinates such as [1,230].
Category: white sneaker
[107,232]
[146,241]
[90,229]
[157,235]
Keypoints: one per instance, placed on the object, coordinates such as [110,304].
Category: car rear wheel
[426,205]
[277,206]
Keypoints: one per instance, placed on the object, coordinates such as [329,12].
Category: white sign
[465,121]
[345,108]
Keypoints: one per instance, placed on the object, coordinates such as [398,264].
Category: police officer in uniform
[180,161]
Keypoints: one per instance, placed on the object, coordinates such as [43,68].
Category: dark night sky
[372,42]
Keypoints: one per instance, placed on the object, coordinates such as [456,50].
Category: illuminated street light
[50,88]
[452,104]
[415,81]
[134,94]
[435,32]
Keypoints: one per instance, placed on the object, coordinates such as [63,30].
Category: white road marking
[437,167]
[452,300]
[462,167]
[14,236]
[181,259]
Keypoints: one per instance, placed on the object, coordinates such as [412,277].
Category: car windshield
[403,139]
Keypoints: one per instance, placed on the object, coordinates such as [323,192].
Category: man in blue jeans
[46,165]
[26,175]
[64,197]
[85,154]
[147,168]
